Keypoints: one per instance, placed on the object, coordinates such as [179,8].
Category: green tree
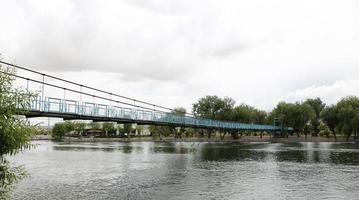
[355,125]
[190,132]
[95,125]
[303,113]
[109,128]
[79,127]
[61,129]
[284,112]
[347,110]
[213,107]
[295,115]
[317,106]
[307,129]
[248,114]
[179,111]
[140,129]
[127,128]
[329,115]
[15,132]
[324,130]
[242,113]
[156,131]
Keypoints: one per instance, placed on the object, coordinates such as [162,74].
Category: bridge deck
[71,110]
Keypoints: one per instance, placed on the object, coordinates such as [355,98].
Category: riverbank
[291,139]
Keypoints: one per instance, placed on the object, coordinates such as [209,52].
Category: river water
[150,170]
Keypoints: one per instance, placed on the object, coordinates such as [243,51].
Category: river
[155,170]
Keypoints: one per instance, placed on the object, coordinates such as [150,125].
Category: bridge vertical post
[42,108]
[109,109]
[27,85]
[64,107]
[134,113]
[80,108]
[94,105]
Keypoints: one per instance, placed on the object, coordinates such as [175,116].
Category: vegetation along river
[156,170]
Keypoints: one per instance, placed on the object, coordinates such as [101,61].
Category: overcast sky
[172,52]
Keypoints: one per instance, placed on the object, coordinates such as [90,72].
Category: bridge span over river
[61,98]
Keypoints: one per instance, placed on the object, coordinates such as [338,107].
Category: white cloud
[173,52]
[331,93]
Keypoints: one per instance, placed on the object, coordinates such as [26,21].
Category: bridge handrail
[68,106]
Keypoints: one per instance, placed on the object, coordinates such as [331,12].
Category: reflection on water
[150,170]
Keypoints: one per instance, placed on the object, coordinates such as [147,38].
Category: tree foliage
[109,128]
[248,114]
[179,111]
[348,115]
[317,105]
[295,115]
[329,116]
[61,129]
[15,132]
[324,130]
[213,107]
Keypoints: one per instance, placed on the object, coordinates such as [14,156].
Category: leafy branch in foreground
[15,131]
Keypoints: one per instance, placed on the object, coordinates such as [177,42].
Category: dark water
[148,170]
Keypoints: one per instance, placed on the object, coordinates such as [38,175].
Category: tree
[284,112]
[259,116]
[95,125]
[355,125]
[317,105]
[213,107]
[248,114]
[140,129]
[303,113]
[329,115]
[162,131]
[307,129]
[109,128]
[15,132]
[242,113]
[127,128]
[295,115]
[190,132]
[79,127]
[179,111]
[61,129]
[347,113]
[324,130]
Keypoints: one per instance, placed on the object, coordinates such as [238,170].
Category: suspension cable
[88,87]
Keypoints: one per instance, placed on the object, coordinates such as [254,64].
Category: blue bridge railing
[71,107]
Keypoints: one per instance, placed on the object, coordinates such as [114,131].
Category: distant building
[94,133]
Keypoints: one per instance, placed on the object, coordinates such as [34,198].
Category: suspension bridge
[106,106]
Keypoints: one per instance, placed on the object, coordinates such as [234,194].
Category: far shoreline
[291,139]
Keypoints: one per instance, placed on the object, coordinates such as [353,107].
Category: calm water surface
[148,170]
